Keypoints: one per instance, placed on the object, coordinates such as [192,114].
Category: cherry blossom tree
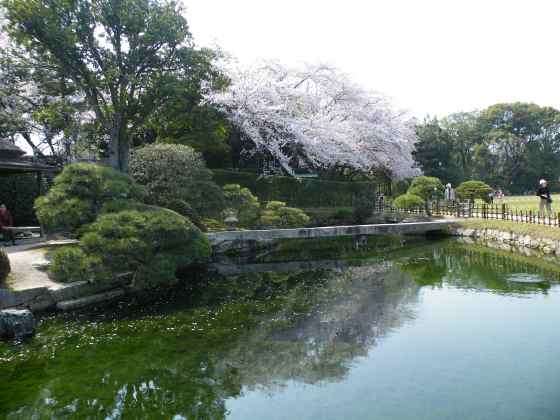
[315,116]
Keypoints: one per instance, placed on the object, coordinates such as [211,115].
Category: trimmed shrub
[343,214]
[425,187]
[277,215]
[408,201]
[185,210]
[176,172]
[69,264]
[305,192]
[151,244]
[80,192]
[471,190]
[213,225]
[242,202]
[363,206]
[400,186]
[5,267]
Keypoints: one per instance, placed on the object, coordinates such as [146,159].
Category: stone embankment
[69,296]
[510,241]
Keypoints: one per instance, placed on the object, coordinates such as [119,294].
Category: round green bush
[277,215]
[408,201]
[425,186]
[176,172]
[69,264]
[79,194]
[5,267]
[150,244]
[471,190]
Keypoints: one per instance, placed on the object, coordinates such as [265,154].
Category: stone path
[28,263]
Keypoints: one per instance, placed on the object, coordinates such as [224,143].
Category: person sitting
[6,220]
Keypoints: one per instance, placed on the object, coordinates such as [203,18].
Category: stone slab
[69,305]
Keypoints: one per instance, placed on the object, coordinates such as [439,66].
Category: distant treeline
[508,146]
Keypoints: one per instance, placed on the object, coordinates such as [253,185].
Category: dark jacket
[544,193]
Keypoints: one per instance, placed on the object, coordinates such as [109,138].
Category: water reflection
[478,268]
[306,326]
[252,327]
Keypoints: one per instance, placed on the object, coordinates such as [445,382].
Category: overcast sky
[431,56]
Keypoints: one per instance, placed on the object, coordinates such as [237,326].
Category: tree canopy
[474,189]
[316,117]
[117,56]
[509,146]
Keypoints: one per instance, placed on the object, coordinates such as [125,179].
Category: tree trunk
[120,146]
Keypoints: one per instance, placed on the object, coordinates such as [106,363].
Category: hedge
[303,192]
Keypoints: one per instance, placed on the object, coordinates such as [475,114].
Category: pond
[417,330]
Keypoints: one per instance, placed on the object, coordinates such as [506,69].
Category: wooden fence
[479,211]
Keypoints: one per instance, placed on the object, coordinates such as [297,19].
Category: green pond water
[422,330]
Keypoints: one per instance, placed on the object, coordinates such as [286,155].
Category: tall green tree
[40,106]
[508,146]
[186,119]
[117,53]
[522,140]
[435,151]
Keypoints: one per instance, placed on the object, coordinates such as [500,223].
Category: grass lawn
[537,231]
[528,202]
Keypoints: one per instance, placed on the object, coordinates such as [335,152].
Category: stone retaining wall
[43,298]
[510,241]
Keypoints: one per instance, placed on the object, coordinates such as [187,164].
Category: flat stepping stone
[526,278]
[69,305]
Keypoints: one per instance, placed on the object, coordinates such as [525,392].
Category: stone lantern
[231,221]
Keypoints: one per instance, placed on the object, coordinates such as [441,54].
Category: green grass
[8,282]
[527,202]
[537,231]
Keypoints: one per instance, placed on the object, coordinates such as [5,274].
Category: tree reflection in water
[268,328]
[229,334]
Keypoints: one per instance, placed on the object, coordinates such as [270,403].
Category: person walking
[6,221]
[545,200]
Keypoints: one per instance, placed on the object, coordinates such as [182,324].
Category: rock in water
[16,323]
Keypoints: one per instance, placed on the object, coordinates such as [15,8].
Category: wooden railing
[479,211]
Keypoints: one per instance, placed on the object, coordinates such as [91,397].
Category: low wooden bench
[23,229]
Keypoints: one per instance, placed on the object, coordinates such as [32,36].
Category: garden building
[22,179]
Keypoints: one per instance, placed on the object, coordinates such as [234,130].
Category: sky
[432,57]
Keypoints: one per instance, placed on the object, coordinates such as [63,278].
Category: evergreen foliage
[509,146]
[173,172]
[69,264]
[307,192]
[362,207]
[277,215]
[408,201]
[426,187]
[5,267]
[471,190]
[242,202]
[79,194]
[151,245]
